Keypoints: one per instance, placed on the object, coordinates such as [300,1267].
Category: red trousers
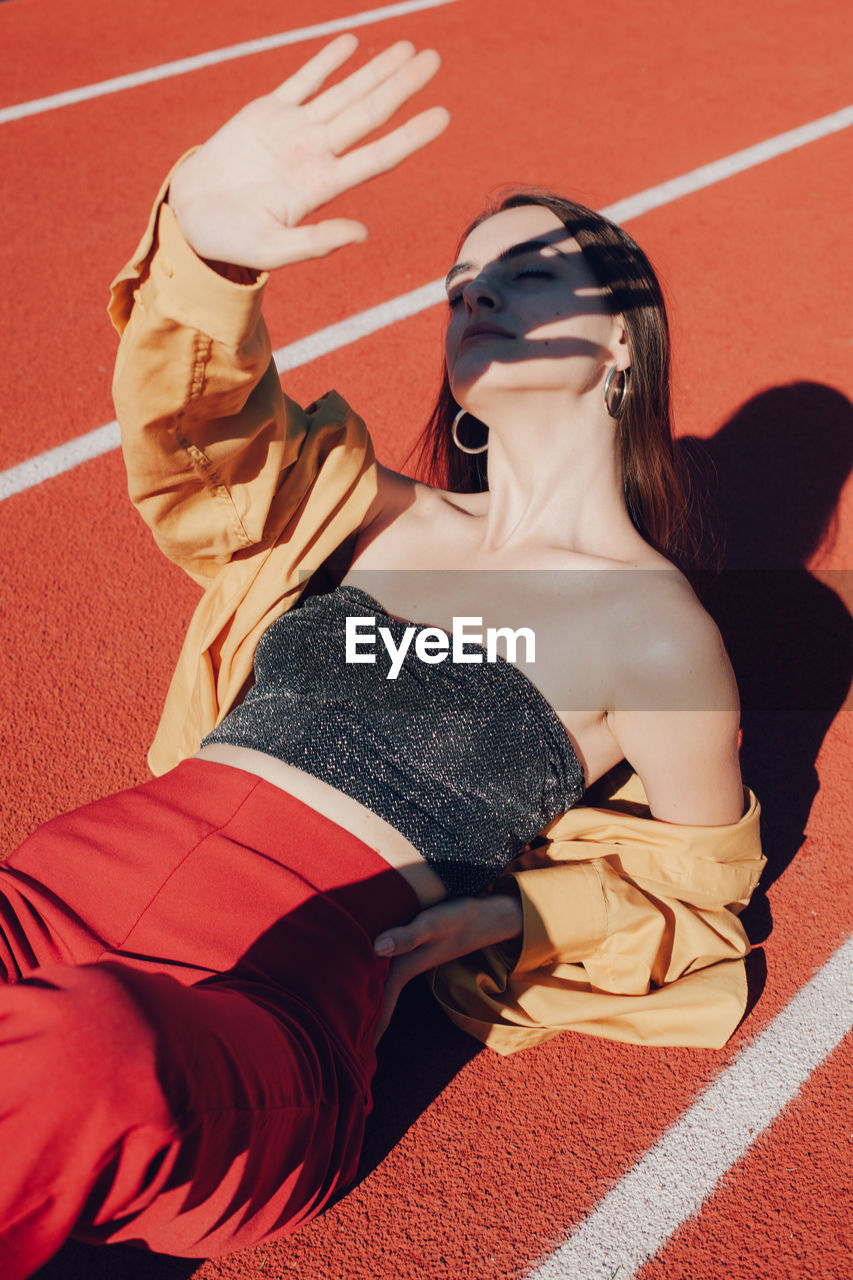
[187,1019]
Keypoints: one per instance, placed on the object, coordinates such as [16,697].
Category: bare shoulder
[394,493]
[397,493]
[676,710]
[673,647]
[394,486]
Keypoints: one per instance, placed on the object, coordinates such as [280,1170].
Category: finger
[361,82]
[311,77]
[377,157]
[297,244]
[392,943]
[406,938]
[362,117]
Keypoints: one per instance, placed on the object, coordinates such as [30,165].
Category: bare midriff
[354,817]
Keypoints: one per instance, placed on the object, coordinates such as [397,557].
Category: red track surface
[487,1163]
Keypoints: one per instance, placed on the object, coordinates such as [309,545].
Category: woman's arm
[612,909]
[677,715]
[208,436]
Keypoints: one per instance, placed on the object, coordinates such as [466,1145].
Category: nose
[480,294]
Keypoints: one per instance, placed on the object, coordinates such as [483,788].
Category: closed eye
[541,273]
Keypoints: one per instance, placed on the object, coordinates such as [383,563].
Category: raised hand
[241,197]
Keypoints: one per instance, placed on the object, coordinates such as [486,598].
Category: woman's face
[526,312]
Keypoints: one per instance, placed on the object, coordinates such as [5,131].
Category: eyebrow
[514,251]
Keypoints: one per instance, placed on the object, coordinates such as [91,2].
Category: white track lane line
[54,462]
[168,69]
[669,1184]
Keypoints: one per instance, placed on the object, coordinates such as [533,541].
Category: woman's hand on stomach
[240,198]
[444,932]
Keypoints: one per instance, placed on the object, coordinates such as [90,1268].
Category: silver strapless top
[467,760]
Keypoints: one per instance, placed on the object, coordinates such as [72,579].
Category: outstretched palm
[241,197]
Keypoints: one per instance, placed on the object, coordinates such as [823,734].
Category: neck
[555,478]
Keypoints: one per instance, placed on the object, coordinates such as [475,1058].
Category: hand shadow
[774,473]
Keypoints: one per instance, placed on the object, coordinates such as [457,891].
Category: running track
[580,1159]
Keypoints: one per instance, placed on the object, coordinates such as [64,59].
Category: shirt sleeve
[207,434]
[626,936]
[245,490]
[630,931]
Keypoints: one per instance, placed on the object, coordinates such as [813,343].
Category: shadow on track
[114,1262]
[779,465]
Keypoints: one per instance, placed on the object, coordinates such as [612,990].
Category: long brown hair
[656,482]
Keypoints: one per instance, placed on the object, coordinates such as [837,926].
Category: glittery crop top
[467,760]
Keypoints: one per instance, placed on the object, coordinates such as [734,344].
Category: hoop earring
[455,438]
[615,409]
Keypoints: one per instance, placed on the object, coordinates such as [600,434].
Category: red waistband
[277,824]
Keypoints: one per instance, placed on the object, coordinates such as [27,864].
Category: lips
[482,329]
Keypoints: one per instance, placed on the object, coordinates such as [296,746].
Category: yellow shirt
[630,924]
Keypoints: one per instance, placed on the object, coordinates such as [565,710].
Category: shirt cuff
[186,289]
[564,913]
[195,295]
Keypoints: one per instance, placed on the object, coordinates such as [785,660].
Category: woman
[193,959]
